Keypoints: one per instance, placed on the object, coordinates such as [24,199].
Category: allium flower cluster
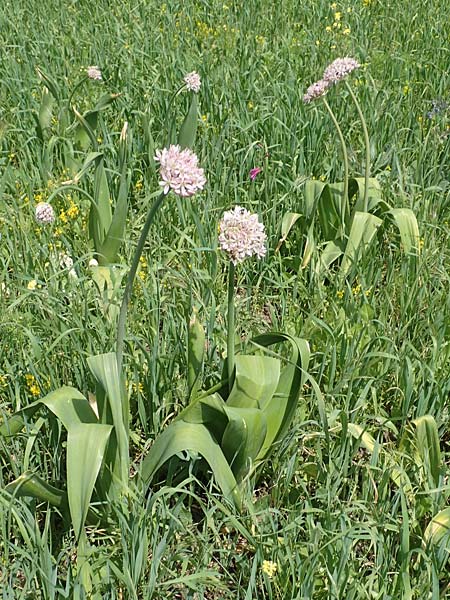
[192,81]
[179,171]
[241,235]
[316,90]
[339,69]
[335,72]
[44,213]
[94,73]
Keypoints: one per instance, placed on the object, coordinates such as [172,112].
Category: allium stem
[345,207]
[230,326]
[130,279]
[367,145]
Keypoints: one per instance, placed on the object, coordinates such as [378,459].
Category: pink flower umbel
[179,171]
[192,81]
[94,73]
[316,90]
[44,213]
[242,235]
[255,172]
[339,69]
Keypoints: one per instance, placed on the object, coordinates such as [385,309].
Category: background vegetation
[344,506]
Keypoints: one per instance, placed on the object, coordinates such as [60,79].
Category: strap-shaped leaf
[30,484]
[256,380]
[281,409]
[356,187]
[104,369]
[188,131]
[363,229]
[408,227]
[181,436]
[313,191]
[288,222]
[243,438]
[86,445]
[427,448]
[67,403]
[329,209]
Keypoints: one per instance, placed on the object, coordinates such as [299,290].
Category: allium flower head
[192,81]
[179,171]
[255,172]
[316,90]
[339,69]
[241,235]
[44,213]
[94,73]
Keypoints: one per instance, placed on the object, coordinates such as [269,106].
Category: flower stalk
[230,325]
[367,146]
[121,326]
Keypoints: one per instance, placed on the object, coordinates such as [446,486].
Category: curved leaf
[363,229]
[86,445]
[181,436]
[255,381]
[408,227]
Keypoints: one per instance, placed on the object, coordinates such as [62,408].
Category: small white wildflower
[94,72]
[93,262]
[192,81]
[32,284]
[44,213]
[242,235]
[179,171]
[339,69]
[66,262]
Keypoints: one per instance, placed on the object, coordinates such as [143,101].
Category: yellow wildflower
[269,568]
[340,293]
[337,16]
[32,284]
[73,210]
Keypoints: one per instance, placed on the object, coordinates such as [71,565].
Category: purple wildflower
[255,172]
[316,90]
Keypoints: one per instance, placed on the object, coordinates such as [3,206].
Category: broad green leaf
[281,407]
[289,220]
[310,246]
[100,215]
[438,529]
[313,191]
[86,445]
[12,425]
[109,249]
[186,138]
[407,225]
[329,209]
[256,380]
[85,129]
[30,484]
[363,229]
[208,411]
[427,447]
[45,112]
[49,82]
[195,353]
[243,438]
[367,441]
[328,256]
[181,436]
[104,369]
[356,187]
[70,406]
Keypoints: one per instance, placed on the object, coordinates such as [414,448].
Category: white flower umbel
[192,81]
[339,69]
[94,73]
[179,171]
[242,235]
[44,213]
[316,90]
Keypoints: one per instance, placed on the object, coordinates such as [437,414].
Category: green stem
[75,89]
[230,326]
[345,207]
[130,280]
[367,144]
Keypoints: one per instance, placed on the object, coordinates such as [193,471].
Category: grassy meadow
[352,501]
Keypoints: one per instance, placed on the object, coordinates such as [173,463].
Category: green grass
[340,520]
